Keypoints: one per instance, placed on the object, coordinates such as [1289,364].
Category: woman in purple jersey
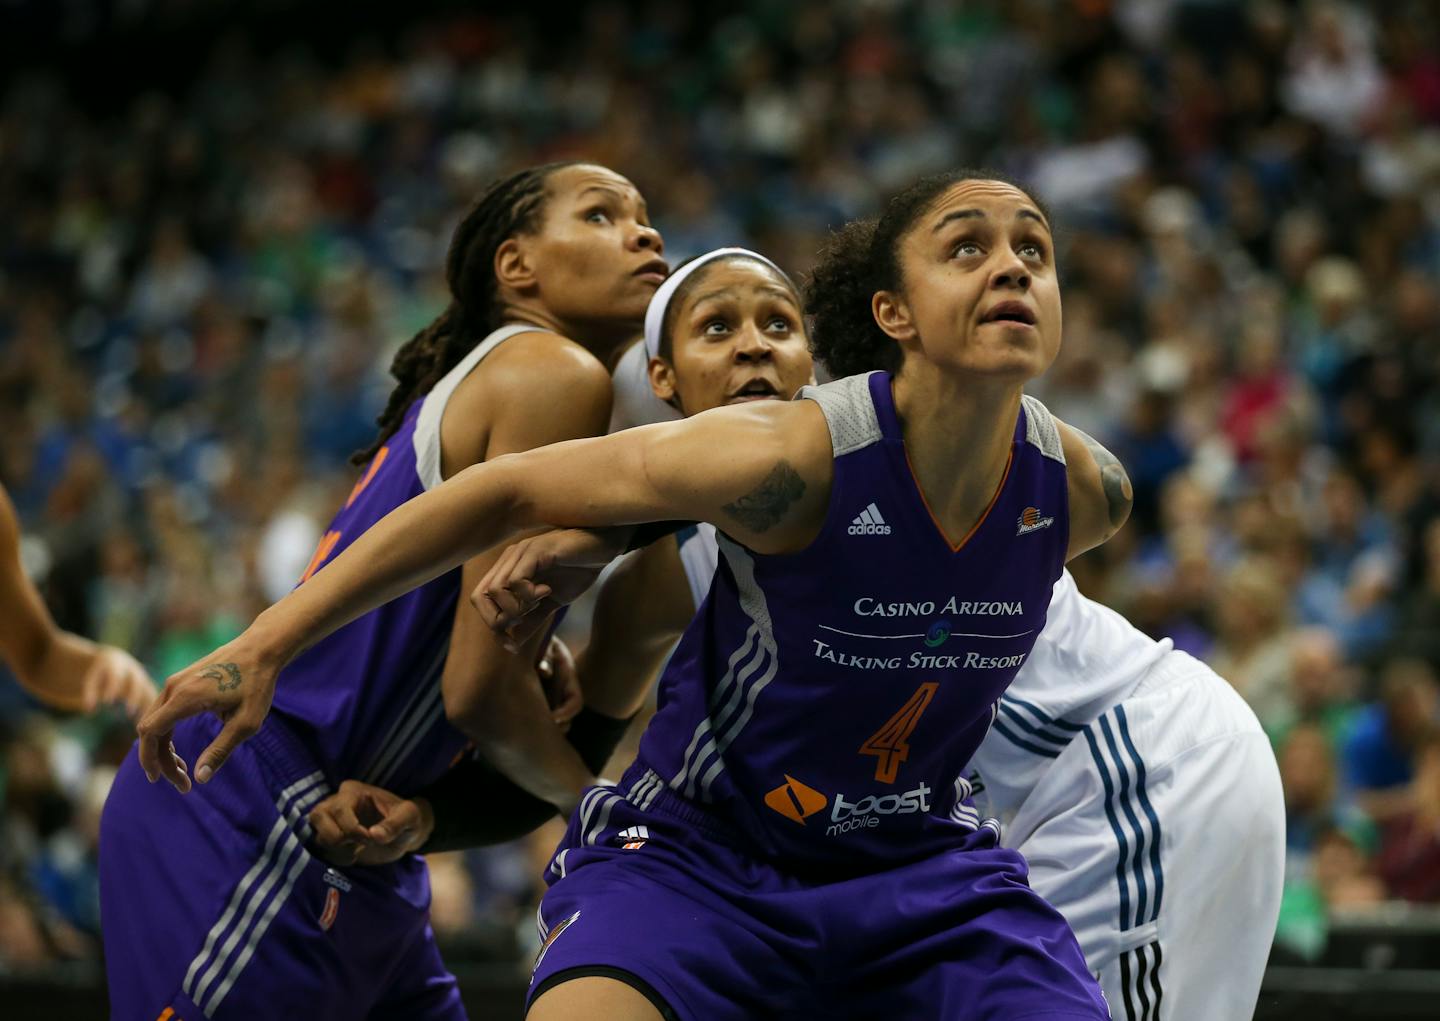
[212,905]
[962,282]
[730,331]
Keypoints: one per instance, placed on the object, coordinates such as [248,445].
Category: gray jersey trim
[1040,429]
[849,412]
[427,426]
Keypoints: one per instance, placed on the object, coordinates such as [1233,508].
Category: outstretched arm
[761,472]
[63,670]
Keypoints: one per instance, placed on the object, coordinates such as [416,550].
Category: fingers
[238,728]
[330,837]
[401,819]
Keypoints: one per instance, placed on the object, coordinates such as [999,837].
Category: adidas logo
[869,522]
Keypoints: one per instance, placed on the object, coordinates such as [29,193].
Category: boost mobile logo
[795,801]
[869,522]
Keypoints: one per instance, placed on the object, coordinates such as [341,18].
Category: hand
[115,678]
[236,682]
[365,825]
[536,576]
[560,681]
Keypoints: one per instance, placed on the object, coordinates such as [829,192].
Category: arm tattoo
[1113,479]
[225,675]
[763,508]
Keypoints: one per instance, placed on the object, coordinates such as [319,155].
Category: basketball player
[728,330]
[61,669]
[213,907]
[802,786]
[1116,763]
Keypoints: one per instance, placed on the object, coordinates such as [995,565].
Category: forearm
[474,805]
[55,672]
[418,541]
[514,732]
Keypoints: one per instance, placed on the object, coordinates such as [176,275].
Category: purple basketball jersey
[825,704]
[367,699]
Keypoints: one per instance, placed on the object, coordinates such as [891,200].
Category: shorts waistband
[281,756]
[644,788]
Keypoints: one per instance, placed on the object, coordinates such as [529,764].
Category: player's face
[595,256]
[980,293]
[737,336]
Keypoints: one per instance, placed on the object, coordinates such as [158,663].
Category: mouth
[1016,312]
[754,390]
[655,271]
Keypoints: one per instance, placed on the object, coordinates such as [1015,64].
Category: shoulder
[534,389]
[538,364]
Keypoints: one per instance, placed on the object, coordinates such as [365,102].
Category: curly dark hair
[863,257]
[510,206]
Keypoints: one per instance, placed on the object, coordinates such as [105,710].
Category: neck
[606,340]
[958,432]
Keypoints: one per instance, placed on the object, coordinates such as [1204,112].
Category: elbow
[467,707]
[1119,496]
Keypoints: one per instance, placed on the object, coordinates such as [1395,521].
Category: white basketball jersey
[635,403]
[1087,659]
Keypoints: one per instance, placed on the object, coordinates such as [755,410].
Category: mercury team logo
[795,801]
[938,634]
[1031,521]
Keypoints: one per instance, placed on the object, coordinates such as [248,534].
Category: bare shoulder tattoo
[762,508]
[225,675]
[1113,479]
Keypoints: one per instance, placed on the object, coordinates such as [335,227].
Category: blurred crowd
[199,298]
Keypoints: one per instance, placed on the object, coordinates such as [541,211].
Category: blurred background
[219,219]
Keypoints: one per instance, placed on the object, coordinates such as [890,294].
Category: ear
[513,265]
[662,379]
[892,314]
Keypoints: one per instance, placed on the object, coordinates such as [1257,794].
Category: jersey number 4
[888,743]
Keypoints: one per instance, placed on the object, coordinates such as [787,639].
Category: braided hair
[510,206]
[858,260]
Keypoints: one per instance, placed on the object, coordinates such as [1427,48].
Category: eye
[715,328]
[598,215]
[1032,250]
[965,249]
[779,324]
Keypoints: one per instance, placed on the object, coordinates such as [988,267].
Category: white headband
[660,304]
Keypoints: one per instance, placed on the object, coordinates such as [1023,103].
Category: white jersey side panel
[1087,659]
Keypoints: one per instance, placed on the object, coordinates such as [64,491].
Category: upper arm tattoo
[763,507]
[1113,479]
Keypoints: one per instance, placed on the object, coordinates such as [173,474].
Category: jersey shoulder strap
[849,411]
[1041,431]
[427,425]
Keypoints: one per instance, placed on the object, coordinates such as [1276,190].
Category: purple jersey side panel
[367,699]
[825,704]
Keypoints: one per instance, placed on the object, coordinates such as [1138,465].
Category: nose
[752,345]
[1011,272]
[647,238]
